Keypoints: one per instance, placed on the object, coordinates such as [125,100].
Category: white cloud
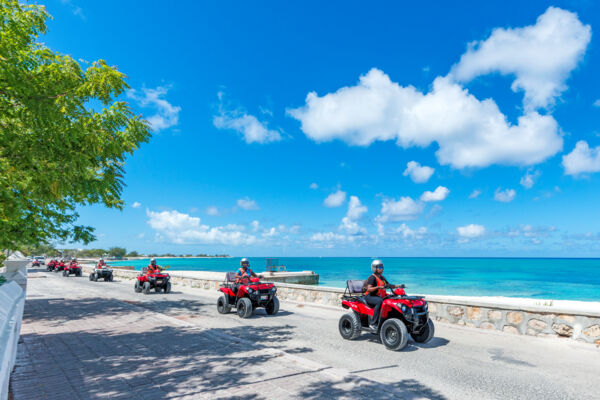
[439,194]
[505,196]
[335,199]
[597,103]
[355,212]
[474,194]
[407,232]
[402,210]
[528,180]
[255,225]
[180,228]
[540,56]
[469,132]
[314,186]
[247,204]
[167,115]
[582,159]
[328,239]
[418,173]
[471,231]
[136,204]
[212,210]
[269,233]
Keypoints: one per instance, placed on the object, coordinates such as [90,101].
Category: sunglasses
[379,266]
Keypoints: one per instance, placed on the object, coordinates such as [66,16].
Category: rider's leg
[374,301]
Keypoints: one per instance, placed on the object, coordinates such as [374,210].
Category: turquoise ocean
[543,278]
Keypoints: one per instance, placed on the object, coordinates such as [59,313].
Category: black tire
[273,306]
[426,334]
[223,306]
[244,307]
[167,287]
[79,273]
[137,287]
[394,334]
[157,289]
[65,273]
[91,276]
[146,288]
[95,277]
[110,277]
[350,326]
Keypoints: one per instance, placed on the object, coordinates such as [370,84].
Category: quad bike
[35,263]
[399,315]
[51,265]
[158,281]
[246,295]
[72,269]
[60,266]
[104,272]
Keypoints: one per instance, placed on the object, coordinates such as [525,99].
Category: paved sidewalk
[80,347]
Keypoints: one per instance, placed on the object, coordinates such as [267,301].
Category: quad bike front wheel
[223,306]
[244,307]
[167,287]
[79,273]
[65,273]
[91,276]
[110,277]
[273,306]
[146,288]
[394,334]
[137,287]
[426,334]
[350,326]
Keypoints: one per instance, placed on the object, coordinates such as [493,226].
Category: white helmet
[152,261]
[244,261]
[102,259]
[375,264]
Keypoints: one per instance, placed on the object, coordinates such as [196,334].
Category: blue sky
[347,128]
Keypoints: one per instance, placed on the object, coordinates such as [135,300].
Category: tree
[64,135]
[117,252]
[133,254]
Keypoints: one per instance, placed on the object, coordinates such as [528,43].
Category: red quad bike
[399,315]
[250,294]
[59,267]
[158,281]
[50,266]
[72,270]
[35,263]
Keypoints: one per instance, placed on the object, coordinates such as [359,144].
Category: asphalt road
[459,363]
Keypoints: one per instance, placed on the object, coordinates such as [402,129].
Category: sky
[348,128]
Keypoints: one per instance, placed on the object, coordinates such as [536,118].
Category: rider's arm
[252,273]
[372,285]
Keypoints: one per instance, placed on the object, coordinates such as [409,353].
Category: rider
[152,267]
[73,262]
[101,263]
[244,272]
[375,291]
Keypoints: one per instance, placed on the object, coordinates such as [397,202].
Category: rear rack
[353,287]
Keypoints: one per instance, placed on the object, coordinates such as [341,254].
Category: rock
[514,317]
[531,332]
[495,315]
[537,324]
[432,308]
[487,325]
[470,325]
[563,329]
[592,331]
[456,311]
[440,319]
[461,322]
[510,329]
[474,313]
[568,318]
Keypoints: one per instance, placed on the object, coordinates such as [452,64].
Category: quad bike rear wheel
[273,306]
[146,288]
[244,307]
[223,306]
[394,334]
[91,276]
[110,277]
[138,287]
[426,334]
[350,326]
[167,287]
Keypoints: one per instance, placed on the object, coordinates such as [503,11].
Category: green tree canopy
[118,252]
[64,135]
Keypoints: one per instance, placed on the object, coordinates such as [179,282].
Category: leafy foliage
[64,135]
[118,252]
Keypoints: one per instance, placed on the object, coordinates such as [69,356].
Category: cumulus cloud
[253,130]
[418,173]
[247,204]
[439,194]
[355,212]
[528,180]
[335,199]
[474,194]
[582,159]
[314,186]
[328,239]
[136,204]
[167,115]
[469,132]
[407,232]
[597,103]
[401,210]
[505,196]
[212,210]
[471,231]
[540,56]
[181,228]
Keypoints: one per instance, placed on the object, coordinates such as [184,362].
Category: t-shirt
[373,282]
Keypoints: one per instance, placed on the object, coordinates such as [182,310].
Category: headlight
[273,289]
[403,308]
[250,290]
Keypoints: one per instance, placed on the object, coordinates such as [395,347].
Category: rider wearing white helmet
[101,263]
[375,291]
[152,267]
[245,271]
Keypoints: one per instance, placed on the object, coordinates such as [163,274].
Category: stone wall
[520,320]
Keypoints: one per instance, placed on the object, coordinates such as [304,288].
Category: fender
[358,307]
[227,291]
